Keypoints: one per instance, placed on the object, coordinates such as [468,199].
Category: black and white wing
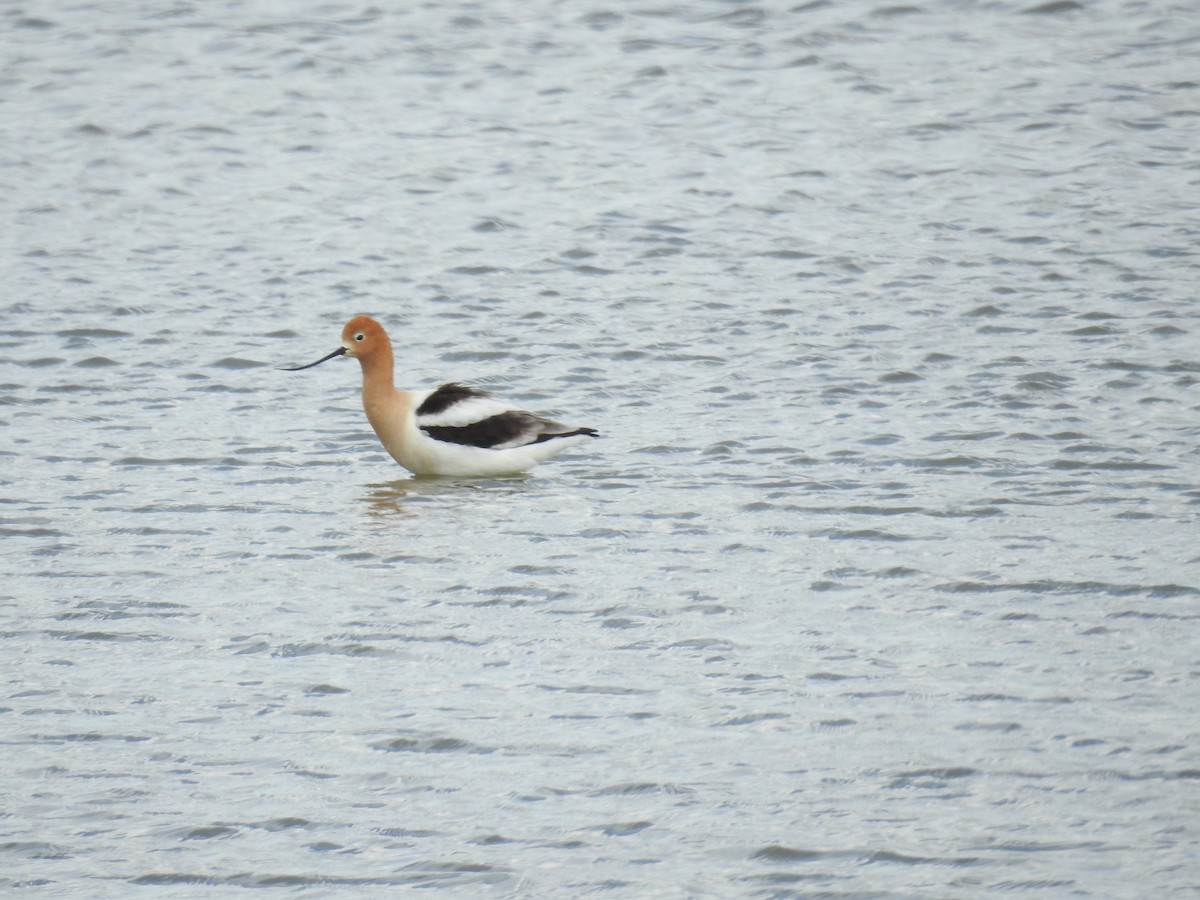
[459,414]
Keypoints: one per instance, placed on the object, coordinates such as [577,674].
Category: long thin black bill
[338,352]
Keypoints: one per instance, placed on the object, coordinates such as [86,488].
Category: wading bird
[453,430]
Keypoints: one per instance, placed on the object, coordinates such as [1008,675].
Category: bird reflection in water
[404,496]
[385,500]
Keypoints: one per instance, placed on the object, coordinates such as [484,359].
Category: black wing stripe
[489,432]
[504,428]
[447,396]
[590,432]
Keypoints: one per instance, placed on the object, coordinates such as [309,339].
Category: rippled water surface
[883,582]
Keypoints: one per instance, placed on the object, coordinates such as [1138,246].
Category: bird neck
[379,372]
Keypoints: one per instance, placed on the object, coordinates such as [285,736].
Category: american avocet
[454,430]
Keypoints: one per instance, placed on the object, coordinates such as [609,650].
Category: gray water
[883,582]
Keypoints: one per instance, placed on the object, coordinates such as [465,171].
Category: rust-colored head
[363,337]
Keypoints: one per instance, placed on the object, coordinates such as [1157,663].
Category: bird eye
[360,336]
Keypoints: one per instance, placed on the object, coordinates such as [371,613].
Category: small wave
[431,745]
[1161,591]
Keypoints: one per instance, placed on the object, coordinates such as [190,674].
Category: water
[882,583]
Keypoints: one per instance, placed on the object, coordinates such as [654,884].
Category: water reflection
[404,495]
[387,499]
